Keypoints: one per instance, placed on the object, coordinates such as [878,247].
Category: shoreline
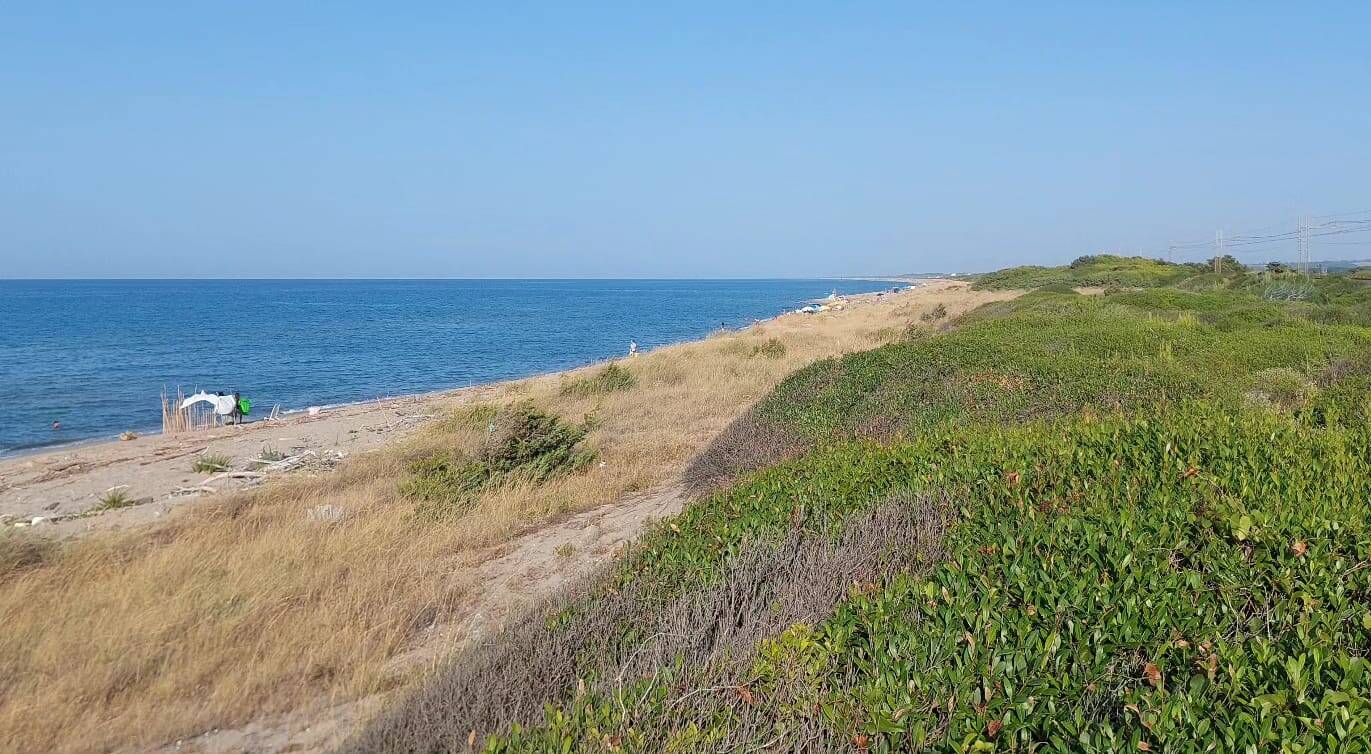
[61,487]
[75,444]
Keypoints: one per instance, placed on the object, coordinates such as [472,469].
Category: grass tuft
[114,499]
[611,378]
[771,348]
[271,455]
[210,463]
[20,551]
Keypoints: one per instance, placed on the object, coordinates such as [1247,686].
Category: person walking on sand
[633,348]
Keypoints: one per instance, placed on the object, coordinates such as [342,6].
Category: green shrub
[611,378]
[526,444]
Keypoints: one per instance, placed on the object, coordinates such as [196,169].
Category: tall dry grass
[176,420]
[252,605]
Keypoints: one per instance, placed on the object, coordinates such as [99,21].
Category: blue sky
[665,140]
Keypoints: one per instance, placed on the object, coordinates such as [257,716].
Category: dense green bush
[1173,581]
[1098,270]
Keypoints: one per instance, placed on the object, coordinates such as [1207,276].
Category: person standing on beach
[633,348]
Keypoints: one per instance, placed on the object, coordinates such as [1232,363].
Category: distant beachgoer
[56,426]
[633,348]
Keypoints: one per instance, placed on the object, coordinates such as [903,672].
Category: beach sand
[64,487]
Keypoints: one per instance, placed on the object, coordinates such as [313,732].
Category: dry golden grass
[251,605]
[176,420]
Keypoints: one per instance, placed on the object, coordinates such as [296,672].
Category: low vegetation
[1102,270]
[115,499]
[21,550]
[210,463]
[608,379]
[1112,584]
[933,315]
[522,444]
[1048,355]
[271,455]
[1129,522]
[771,348]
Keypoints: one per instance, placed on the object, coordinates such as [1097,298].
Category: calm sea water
[95,355]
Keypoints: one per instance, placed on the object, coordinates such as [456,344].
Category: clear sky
[453,139]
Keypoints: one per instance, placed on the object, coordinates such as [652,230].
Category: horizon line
[875,277]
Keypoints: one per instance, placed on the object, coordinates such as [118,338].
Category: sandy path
[511,577]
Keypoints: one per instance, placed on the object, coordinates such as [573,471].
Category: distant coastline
[402,339]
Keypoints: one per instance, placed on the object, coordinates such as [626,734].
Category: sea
[94,356]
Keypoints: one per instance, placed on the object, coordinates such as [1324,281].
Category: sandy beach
[59,491]
[62,488]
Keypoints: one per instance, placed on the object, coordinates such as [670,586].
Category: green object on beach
[244,406]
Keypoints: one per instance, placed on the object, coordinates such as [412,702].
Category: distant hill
[1095,270]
